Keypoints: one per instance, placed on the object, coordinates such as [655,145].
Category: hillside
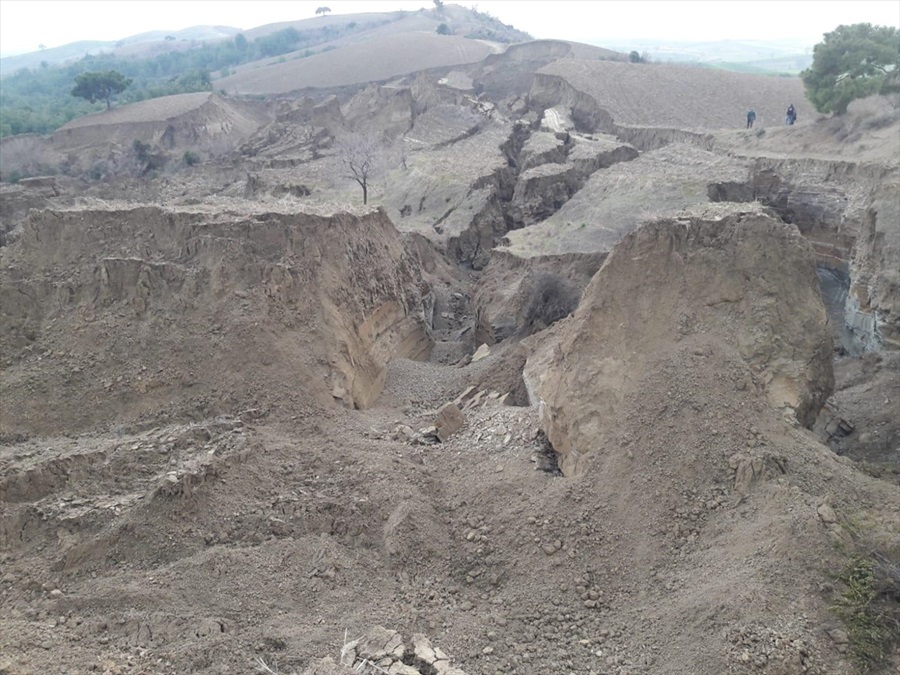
[377,59]
[680,96]
[597,381]
[160,64]
[140,45]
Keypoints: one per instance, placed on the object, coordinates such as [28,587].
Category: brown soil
[683,97]
[354,64]
[218,416]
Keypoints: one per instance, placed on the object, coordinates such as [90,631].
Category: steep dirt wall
[742,284]
[149,313]
[850,213]
[504,290]
[548,91]
[201,122]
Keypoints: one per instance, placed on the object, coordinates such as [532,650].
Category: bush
[549,300]
[190,158]
[97,171]
[141,150]
[14,176]
[444,29]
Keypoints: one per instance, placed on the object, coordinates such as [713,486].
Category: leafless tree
[362,156]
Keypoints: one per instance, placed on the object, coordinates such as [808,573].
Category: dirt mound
[152,313]
[740,285]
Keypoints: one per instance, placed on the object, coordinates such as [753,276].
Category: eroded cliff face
[143,313]
[732,283]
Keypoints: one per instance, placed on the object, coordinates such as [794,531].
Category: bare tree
[361,155]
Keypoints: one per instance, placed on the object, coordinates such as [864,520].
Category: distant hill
[750,56]
[323,51]
[375,60]
[141,44]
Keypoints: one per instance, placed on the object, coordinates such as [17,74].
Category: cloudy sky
[24,24]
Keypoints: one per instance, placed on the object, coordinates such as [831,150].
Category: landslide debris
[740,284]
[115,316]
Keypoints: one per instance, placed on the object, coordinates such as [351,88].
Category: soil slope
[151,314]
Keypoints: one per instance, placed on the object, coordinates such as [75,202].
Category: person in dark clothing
[791,115]
[751,118]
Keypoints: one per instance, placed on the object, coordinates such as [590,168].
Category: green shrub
[869,606]
[190,158]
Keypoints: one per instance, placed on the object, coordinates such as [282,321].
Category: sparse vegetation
[37,100]
[549,300]
[148,160]
[853,62]
[869,606]
[443,29]
[361,156]
[190,158]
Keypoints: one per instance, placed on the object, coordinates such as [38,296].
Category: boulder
[449,420]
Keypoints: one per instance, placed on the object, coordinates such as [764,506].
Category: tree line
[37,100]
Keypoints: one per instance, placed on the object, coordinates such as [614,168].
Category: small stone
[487,650]
[56,593]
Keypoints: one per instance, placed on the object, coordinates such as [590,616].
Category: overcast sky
[24,24]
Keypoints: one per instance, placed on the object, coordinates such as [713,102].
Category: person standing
[751,118]
[791,115]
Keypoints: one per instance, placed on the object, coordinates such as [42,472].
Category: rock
[838,636]
[426,436]
[826,513]
[422,649]
[403,433]
[378,643]
[465,396]
[749,470]
[449,420]
[475,401]
[480,353]
[56,593]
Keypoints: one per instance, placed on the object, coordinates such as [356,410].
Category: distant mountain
[135,45]
[758,56]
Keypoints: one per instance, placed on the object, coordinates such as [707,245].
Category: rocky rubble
[385,651]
